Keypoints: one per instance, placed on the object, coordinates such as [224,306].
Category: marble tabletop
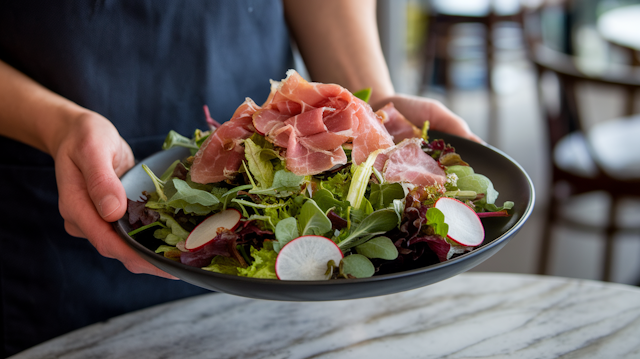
[473,315]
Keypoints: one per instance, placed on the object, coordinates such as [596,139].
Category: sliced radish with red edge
[306,258]
[208,229]
[465,227]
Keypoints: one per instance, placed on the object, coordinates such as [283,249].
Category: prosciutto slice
[221,154]
[303,160]
[312,121]
[408,163]
[396,124]
[323,118]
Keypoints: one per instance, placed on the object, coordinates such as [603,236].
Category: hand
[89,158]
[420,109]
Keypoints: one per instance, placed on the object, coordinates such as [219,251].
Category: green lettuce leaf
[224,265]
[263,266]
[338,184]
[435,219]
[261,169]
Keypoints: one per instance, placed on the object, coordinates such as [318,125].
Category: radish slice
[206,231]
[306,258]
[465,226]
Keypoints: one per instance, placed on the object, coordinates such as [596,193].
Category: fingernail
[108,205]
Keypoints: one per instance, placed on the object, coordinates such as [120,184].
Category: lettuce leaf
[260,168]
[338,184]
[263,266]
[224,265]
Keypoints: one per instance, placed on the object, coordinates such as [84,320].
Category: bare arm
[340,44]
[89,156]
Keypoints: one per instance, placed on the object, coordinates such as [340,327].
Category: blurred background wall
[515,123]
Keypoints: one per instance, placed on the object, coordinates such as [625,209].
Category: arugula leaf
[169,171]
[312,219]
[284,184]
[378,222]
[140,229]
[175,139]
[157,182]
[192,200]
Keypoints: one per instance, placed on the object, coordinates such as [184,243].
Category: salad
[259,198]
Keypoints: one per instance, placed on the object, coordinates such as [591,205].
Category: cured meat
[329,116]
[303,160]
[396,124]
[408,163]
[312,121]
[371,135]
[221,154]
[265,120]
[325,141]
[308,123]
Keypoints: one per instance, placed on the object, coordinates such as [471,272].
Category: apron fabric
[148,66]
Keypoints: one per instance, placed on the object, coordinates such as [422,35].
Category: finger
[126,160]
[83,220]
[101,180]
[73,230]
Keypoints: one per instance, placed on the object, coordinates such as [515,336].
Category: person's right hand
[89,157]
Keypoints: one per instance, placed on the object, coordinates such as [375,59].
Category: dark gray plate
[509,179]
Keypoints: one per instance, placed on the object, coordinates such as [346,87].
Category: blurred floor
[521,136]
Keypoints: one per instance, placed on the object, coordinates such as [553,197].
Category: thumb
[102,182]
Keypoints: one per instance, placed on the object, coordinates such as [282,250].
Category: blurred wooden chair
[601,157]
[443,15]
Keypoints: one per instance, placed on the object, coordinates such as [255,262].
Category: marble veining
[474,315]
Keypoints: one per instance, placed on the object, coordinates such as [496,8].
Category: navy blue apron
[148,66]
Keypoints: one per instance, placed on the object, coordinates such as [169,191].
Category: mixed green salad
[379,227]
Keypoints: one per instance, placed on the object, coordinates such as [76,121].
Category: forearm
[32,114]
[339,43]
